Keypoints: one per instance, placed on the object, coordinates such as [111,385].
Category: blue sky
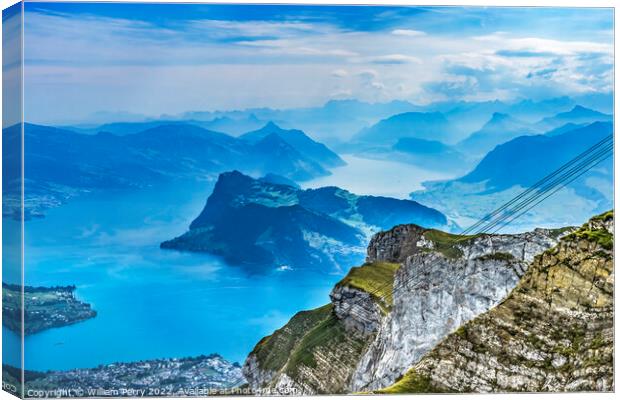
[169,58]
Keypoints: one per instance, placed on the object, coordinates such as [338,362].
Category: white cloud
[367,74]
[543,45]
[377,85]
[394,59]
[341,94]
[339,73]
[82,64]
[408,32]
[226,29]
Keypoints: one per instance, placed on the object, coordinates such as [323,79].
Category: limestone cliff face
[554,332]
[417,286]
[443,283]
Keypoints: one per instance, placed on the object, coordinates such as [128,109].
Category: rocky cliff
[445,281]
[318,350]
[417,286]
[554,332]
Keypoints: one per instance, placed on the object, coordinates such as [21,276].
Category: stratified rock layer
[447,281]
[554,332]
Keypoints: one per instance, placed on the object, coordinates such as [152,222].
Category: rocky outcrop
[554,332]
[445,281]
[396,244]
[417,286]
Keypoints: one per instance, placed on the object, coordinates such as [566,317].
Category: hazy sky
[170,58]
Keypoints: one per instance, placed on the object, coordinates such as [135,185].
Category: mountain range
[468,123]
[407,137]
[519,163]
[299,141]
[577,115]
[225,124]
[261,224]
[499,129]
[337,121]
[83,162]
[420,125]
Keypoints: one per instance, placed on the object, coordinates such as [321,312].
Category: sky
[85,59]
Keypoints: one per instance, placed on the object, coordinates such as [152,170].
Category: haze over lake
[377,177]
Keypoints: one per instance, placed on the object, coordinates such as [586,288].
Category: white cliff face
[434,294]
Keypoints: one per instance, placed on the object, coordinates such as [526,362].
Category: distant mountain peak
[297,140]
[500,120]
[498,116]
[234,174]
[271,126]
[579,108]
[259,223]
[578,114]
[422,125]
[581,112]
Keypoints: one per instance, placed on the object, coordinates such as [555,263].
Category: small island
[45,308]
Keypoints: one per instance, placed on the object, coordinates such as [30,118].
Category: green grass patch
[557,232]
[597,341]
[604,216]
[376,278]
[411,382]
[461,331]
[602,237]
[273,351]
[328,333]
[446,243]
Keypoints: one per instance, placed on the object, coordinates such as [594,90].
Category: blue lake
[154,303]
[151,303]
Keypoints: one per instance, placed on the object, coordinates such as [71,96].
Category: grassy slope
[317,341]
[375,278]
[273,351]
